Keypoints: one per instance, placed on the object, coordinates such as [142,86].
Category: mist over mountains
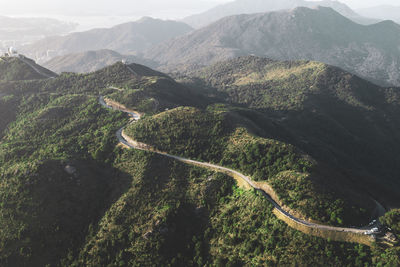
[384,12]
[320,34]
[90,61]
[127,38]
[256,6]
[19,31]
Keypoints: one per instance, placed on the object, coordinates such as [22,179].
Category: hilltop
[22,68]
[319,34]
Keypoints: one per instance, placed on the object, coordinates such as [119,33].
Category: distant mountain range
[127,38]
[255,6]
[382,12]
[319,34]
[90,61]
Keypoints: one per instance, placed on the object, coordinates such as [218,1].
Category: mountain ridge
[22,68]
[127,38]
[256,6]
[319,34]
[90,61]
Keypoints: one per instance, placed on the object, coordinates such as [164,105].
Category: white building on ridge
[12,52]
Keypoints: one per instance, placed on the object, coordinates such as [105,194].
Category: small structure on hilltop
[12,52]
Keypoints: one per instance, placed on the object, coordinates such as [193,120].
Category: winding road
[134,145]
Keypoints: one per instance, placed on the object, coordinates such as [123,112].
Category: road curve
[247,179]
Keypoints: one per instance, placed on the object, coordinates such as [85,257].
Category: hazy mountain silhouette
[90,61]
[320,34]
[256,6]
[128,38]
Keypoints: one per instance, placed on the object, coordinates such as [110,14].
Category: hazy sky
[369,3]
[106,7]
[160,8]
[105,13]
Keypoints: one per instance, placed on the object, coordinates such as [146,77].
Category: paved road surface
[244,177]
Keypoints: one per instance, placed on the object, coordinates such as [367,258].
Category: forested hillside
[337,118]
[71,196]
[217,135]
[17,69]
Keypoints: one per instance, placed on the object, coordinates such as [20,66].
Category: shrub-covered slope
[217,135]
[70,197]
[337,118]
[151,92]
[17,69]
[180,216]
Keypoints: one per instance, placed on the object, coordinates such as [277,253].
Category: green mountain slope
[334,116]
[151,92]
[217,136]
[57,160]
[175,215]
[8,109]
[22,68]
[69,196]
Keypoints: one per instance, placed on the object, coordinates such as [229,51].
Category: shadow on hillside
[361,145]
[62,201]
